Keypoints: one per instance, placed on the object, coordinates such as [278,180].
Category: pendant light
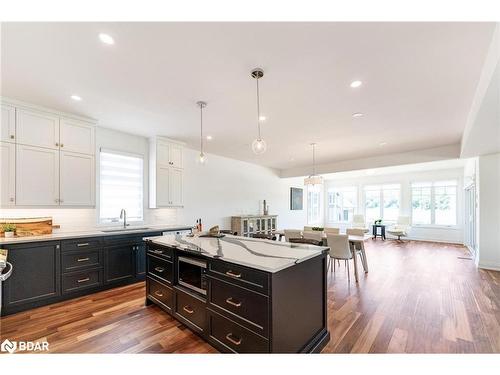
[202,158]
[313,179]
[258,145]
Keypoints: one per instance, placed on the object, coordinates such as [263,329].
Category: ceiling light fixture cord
[258,106]
[314,159]
[201,128]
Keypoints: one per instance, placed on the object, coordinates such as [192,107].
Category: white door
[163,153]
[162,187]
[175,181]
[36,128]
[8,125]
[77,136]
[8,174]
[37,176]
[175,156]
[76,179]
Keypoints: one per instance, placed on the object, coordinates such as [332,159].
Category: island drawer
[160,268]
[243,276]
[234,337]
[160,251]
[159,293]
[80,260]
[191,308]
[81,244]
[245,304]
[80,280]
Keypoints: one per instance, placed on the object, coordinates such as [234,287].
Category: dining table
[355,242]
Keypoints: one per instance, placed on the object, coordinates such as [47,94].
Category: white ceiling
[419,81]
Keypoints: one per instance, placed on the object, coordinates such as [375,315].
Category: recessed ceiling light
[383,143]
[358,114]
[355,84]
[76,98]
[209,137]
[262,118]
[106,38]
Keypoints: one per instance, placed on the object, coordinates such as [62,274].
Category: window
[434,203]
[382,202]
[121,186]
[313,204]
[342,203]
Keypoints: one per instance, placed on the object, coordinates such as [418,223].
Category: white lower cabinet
[37,176]
[8,174]
[76,179]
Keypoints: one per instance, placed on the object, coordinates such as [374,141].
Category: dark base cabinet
[245,310]
[52,271]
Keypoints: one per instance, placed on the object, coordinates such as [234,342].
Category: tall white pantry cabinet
[47,158]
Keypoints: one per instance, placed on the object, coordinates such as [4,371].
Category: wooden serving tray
[34,226]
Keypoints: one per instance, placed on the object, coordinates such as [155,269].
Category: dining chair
[307,241]
[292,233]
[264,236]
[339,250]
[358,246]
[358,222]
[313,235]
[331,230]
[308,229]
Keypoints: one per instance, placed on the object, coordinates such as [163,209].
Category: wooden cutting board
[34,226]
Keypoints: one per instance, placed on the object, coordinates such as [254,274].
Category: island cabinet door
[35,278]
[119,263]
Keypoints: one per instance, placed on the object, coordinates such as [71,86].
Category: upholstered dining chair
[359,246]
[332,230]
[308,229]
[339,250]
[400,229]
[292,233]
[307,241]
[358,222]
[313,235]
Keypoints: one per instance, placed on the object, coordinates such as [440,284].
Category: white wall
[489,211]
[429,233]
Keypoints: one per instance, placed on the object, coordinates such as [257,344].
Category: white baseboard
[426,240]
[493,266]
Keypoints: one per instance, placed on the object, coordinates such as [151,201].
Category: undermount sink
[124,229]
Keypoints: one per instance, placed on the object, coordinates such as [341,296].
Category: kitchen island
[242,295]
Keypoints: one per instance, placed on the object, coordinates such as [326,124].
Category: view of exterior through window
[314,204]
[382,202]
[342,204]
[434,203]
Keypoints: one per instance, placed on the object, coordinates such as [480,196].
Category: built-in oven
[192,274]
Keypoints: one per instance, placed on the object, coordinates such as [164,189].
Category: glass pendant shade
[259,146]
[202,159]
[313,180]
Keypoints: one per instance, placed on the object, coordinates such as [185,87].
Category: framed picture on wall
[296,198]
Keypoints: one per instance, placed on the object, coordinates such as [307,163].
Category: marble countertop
[95,232]
[265,255]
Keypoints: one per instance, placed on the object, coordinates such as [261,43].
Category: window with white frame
[382,202]
[342,204]
[313,204]
[121,186]
[434,203]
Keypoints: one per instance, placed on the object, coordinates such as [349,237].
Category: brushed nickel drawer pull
[231,302]
[83,280]
[188,309]
[158,293]
[232,274]
[158,251]
[82,244]
[159,269]
[82,259]
[230,338]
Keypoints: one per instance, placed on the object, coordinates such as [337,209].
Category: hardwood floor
[417,298]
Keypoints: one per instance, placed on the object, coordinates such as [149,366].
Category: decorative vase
[9,234]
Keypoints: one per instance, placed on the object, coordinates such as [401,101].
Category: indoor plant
[9,229]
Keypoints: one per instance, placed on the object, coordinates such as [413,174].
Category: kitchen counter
[265,255]
[92,233]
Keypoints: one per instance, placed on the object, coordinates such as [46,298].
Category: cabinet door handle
[231,302]
[61,200]
[232,274]
[56,200]
[82,259]
[230,338]
[82,244]
[158,293]
[83,280]
[11,199]
[158,251]
[159,269]
[62,145]
[12,136]
[188,309]
[57,144]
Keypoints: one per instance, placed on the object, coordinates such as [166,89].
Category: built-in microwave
[192,274]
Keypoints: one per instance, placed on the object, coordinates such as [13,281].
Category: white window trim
[321,204]
[106,224]
[381,209]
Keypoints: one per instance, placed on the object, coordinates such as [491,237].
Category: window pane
[421,205]
[342,204]
[121,186]
[372,205]
[313,204]
[445,205]
[391,203]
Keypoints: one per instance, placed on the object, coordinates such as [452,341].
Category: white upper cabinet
[8,125]
[77,136]
[37,176]
[76,189]
[175,186]
[162,187]
[175,156]
[8,174]
[36,128]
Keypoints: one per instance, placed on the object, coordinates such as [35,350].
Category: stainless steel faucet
[123,215]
